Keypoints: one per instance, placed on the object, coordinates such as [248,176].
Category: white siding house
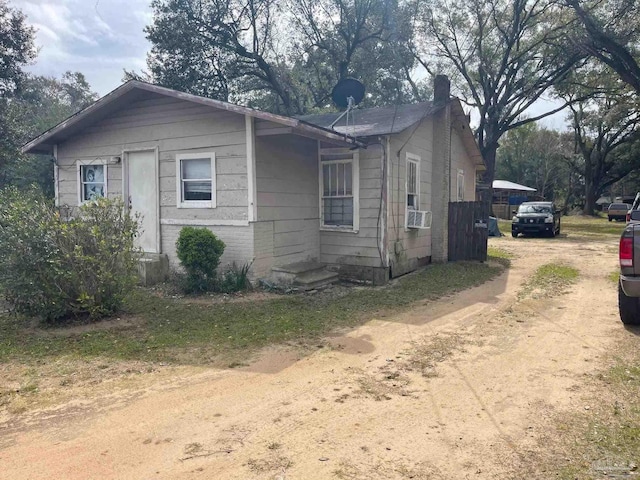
[277,190]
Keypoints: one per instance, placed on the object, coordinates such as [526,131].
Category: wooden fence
[468,222]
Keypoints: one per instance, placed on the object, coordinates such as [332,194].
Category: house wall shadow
[421,313]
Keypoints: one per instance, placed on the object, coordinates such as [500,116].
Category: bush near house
[54,268]
[199,252]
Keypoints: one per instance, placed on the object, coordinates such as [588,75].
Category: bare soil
[462,388]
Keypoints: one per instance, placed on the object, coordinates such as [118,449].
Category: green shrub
[55,269]
[199,251]
[235,278]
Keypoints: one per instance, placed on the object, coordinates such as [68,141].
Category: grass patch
[501,255]
[504,226]
[549,280]
[614,277]
[180,331]
[605,440]
[428,353]
[581,225]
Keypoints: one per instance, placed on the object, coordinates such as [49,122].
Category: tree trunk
[489,155]
[589,199]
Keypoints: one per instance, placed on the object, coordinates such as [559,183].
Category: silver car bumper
[630,285]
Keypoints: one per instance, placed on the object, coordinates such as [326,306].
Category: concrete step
[303,275]
[299,267]
[315,279]
[153,268]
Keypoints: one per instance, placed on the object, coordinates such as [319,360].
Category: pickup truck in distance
[629,284]
[618,211]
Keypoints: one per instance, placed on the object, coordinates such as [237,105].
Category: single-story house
[287,193]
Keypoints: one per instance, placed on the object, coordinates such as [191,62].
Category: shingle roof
[375,121]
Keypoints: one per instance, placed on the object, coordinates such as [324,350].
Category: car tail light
[626,252]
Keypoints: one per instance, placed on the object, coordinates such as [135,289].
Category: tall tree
[611,33]
[604,127]
[282,56]
[366,38]
[41,103]
[16,48]
[505,54]
[16,51]
[537,157]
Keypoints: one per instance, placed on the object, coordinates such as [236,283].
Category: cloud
[99,39]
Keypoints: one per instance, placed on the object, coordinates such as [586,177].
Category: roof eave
[40,143]
[469,139]
[35,145]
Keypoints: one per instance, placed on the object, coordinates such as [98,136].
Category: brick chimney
[441,89]
[441,170]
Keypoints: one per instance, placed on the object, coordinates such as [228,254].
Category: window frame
[81,183]
[355,187]
[415,159]
[180,203]
[460,184]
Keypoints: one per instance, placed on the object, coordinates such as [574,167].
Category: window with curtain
[93,182]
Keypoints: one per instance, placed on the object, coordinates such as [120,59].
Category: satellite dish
[345,89]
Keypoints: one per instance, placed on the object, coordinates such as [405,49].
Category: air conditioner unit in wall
[418,219]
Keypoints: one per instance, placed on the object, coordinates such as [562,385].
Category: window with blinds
[196,180]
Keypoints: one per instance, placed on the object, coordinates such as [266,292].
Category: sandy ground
[462,388]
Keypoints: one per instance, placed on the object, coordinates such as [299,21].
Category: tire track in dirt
[337,413]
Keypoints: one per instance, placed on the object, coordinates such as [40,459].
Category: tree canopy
[611,34]
[41,103]
[604,126]
[283,57]
[16,51]
[16,48]
[504,55]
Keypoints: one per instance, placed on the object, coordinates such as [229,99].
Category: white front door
[142,183]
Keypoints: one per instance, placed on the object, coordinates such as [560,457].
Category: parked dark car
[618,211]
[629,284]
[536,218]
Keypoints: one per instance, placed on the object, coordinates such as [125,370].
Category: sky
[98,38]
[102,38]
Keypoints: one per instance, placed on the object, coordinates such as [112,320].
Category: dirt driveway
[460,388]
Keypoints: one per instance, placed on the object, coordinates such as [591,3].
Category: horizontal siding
[460,160]
[215,140]
[357,242]
[287,200]
[411,243]
[174,127]
[361,248]
[350,259]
